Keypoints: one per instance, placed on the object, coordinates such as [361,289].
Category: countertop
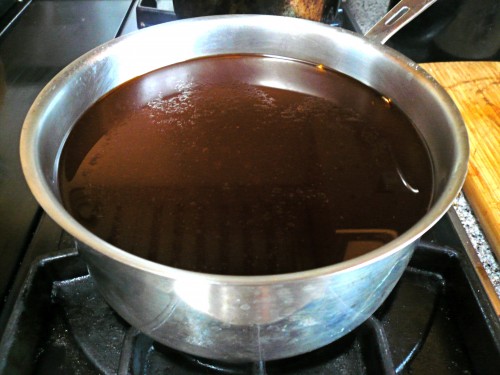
[367,13]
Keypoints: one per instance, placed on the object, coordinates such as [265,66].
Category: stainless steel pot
[229,317]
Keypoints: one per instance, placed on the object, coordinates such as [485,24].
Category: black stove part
[148,14]
[36,45]
[5,5]
[10,10]
[364,351]
[414,321]
[435,321]
[452,30]
[464,302]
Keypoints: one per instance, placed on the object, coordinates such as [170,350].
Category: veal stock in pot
[243,318]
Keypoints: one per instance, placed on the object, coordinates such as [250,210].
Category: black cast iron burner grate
[432,322]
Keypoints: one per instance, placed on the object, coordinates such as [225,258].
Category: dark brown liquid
[245,165]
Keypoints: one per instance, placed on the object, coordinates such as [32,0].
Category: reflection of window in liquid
[357,242]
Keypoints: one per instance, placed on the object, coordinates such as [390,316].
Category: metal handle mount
[402,13]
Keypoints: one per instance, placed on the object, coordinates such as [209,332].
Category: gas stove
[440,318]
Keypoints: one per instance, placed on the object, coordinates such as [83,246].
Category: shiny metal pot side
[236,318]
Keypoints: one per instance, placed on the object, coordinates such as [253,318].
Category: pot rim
[50,203]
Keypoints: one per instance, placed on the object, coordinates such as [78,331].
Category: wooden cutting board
[475,88]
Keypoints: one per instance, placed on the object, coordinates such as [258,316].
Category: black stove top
[439,318]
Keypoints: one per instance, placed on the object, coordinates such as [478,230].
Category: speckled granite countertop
[367,13]
[478,240]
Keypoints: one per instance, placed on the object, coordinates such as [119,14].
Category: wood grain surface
[475,88]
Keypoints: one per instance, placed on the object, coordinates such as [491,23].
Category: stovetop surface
[44,38]
[37,40]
